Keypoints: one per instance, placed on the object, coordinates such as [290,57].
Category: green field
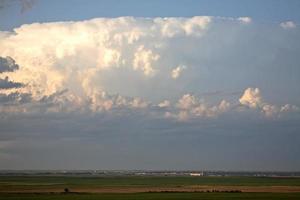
[10,184]
[154,196]
[48,181]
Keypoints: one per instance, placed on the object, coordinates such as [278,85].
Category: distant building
[196,174]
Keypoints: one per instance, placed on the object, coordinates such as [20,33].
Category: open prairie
[148,187]
[154,196]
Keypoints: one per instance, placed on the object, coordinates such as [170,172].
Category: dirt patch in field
[134,189]
[279,189]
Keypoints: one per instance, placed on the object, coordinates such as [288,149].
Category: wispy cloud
[288,25]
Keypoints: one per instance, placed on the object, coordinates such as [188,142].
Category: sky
[154,85]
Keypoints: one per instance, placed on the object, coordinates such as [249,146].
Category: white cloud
[143,59]
[164,104]
[111,57]
[270,110]
[251,97]
[187,101]
[176,72]
[245,20]
[189,106]
[224,106]
[72,55]
[138,103]
[288,25]
[171,27]
[80,56]
[105,102]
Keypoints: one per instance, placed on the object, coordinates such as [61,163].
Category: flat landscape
[148,187]
[149,100]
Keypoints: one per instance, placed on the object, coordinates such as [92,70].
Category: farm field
[154,196]
[148,187]
[155,181]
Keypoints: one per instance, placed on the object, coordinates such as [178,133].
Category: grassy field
[48,181]
[51,187]
[154,196]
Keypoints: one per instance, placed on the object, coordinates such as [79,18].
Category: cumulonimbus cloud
[73,54]
[73,57]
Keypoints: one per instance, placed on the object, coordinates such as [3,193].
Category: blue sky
[201,85]
[263,11]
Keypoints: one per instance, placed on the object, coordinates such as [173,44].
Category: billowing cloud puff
[143,60]
[288,25]
[177,71]
[187,101]
[245,20]
[251,98]
[171,27]
[272,111]
[164,104]
[73,55]
[189,106]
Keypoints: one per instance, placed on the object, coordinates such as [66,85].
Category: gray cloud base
[8,65]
